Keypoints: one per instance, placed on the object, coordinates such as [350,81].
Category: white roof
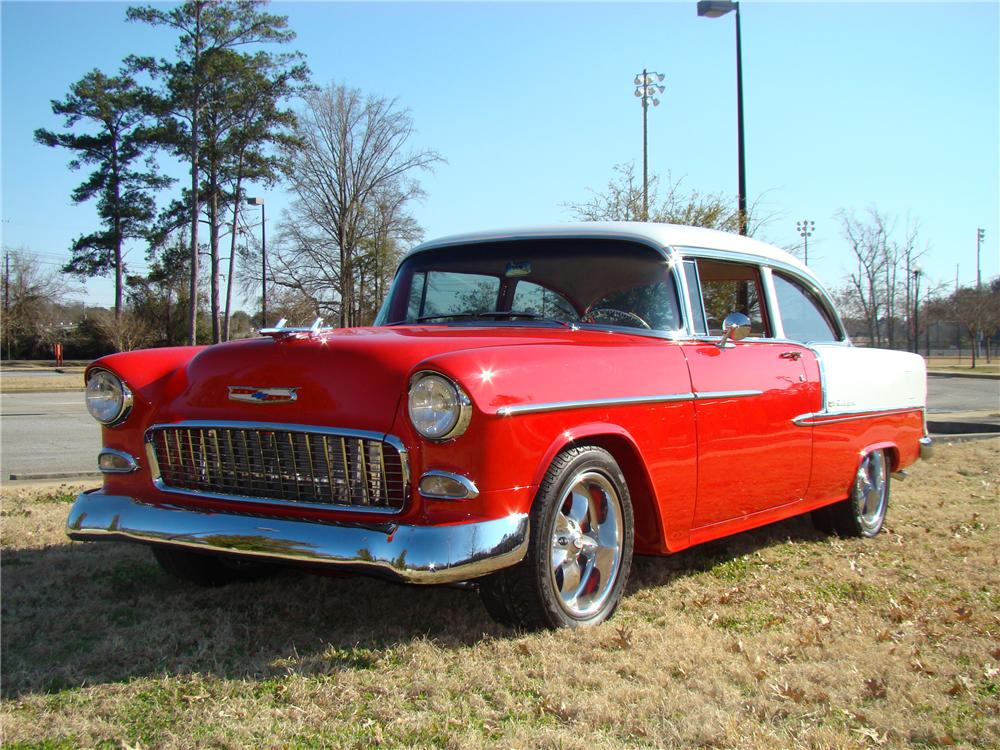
[666,236]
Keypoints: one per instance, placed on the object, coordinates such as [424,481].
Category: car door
[751,455]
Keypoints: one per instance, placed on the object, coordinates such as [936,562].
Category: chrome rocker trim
[413,554]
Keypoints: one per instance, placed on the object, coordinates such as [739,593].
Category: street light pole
[263,259]
[805,229]
[714,9]
[647,85]
[916,308]
[980,236]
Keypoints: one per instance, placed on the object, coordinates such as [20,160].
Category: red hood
[344,378]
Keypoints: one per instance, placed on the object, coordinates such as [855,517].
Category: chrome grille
[284,463]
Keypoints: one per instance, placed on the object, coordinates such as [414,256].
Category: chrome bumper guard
[926,448]
[413,554]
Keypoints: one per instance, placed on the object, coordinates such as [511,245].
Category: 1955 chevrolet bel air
[530,409]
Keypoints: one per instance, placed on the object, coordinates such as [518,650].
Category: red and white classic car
[531,408]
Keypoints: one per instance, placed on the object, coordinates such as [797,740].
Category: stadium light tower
[647,86]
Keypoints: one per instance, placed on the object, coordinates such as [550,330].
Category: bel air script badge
[255,395]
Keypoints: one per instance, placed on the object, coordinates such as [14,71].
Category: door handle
[791,355]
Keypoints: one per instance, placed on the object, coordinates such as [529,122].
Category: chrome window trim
[133,465]
[509,411]
[811,284]
[471,491]
[771,300]
[819,418]
[248,500]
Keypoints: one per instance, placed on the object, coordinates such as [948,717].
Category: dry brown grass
[68,379]
[776,638]
[964,364]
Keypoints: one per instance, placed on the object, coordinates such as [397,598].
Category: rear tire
[579,553]
[207,569]
[863,513]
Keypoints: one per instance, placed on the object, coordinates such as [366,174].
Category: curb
[961,374]
[55,475]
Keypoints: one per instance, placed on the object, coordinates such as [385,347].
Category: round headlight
[108,399]
[438,408]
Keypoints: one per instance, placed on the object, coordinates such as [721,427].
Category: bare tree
[866,296]
[352,150]
[622,201]
[31,293]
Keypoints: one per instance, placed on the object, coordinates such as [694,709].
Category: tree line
[237,111]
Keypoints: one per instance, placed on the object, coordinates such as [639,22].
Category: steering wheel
[613,316]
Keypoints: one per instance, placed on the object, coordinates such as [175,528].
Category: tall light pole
[647,86]
[980,236]
[916,308]
[714,9]
[263,260]
[805,229]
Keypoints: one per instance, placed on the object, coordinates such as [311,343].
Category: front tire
[580,551]
[863,513]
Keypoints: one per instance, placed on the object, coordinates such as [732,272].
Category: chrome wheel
[871,491]
[586,544]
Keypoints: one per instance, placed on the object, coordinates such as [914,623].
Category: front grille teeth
[281,464]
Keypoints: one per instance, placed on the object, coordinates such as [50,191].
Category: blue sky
[848,105]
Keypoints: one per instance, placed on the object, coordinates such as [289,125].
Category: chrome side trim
[129,459]
[835,417]
[508,411]
[415,554]
[471,491]
[394,441]
[706,395]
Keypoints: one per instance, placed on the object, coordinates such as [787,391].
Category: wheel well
[648,537]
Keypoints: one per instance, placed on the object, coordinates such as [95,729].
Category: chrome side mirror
[736,326]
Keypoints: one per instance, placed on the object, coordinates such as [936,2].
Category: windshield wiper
[493,314]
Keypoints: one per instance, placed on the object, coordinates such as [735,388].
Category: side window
[802,315]
[732,287]
[446,292]
[535,298]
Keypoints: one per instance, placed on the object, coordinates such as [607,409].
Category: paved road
[957,394]
[43,433]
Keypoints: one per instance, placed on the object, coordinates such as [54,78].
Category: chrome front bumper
[414,554]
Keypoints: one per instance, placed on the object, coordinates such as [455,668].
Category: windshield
[585,282]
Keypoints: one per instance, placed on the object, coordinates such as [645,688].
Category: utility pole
[6,300]
[263,259]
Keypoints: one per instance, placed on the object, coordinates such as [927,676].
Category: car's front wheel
[580,550]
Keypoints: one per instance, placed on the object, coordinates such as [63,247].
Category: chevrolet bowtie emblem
[255,395]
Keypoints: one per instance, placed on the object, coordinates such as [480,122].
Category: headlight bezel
[123,399]
[459,422]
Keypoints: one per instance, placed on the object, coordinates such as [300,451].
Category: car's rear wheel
[863,513]
[580,550]
[209,570]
